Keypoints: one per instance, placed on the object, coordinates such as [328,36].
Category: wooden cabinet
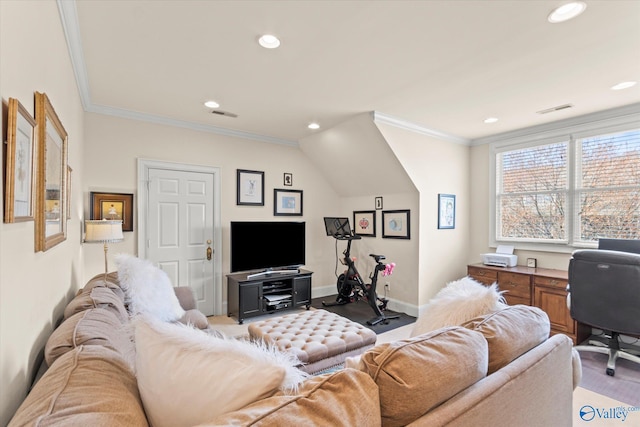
[541,287]
[250,297]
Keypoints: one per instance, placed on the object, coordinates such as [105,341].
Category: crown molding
[614,116]
[151,118]
[414,127]
[69,17]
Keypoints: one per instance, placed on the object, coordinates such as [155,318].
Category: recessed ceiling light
[269,42]
[566,11]
[623,85]
[211,104]
[313,126]
[490,120]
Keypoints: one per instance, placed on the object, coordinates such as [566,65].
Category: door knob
[209,250]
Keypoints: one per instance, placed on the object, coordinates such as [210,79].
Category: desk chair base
[613,350]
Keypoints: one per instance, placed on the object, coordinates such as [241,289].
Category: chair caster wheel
[611,372]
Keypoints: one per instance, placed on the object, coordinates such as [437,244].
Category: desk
[540,287]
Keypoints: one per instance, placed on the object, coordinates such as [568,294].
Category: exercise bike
[351,287]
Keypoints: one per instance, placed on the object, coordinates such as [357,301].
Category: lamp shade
[103,231]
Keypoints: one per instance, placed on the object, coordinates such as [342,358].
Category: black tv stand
[257,293]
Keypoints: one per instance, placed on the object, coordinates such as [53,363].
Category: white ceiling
[442,65]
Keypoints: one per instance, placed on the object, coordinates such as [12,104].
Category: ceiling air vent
[224,113]
[553,109]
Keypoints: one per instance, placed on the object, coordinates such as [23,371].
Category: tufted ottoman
[319,338]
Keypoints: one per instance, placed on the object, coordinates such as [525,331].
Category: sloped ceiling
[356,160]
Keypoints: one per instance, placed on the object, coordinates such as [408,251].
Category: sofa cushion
[112,283]
[148,289]
[511,332]
[195,318]
[97,297]
[187,376]
[89,386]
[345,398]
[419,373]
[95,326]
[457,303]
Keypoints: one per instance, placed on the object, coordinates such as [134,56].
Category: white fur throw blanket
[457,303]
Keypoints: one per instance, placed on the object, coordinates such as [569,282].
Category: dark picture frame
[446,211]
[113,206]
[364,223]
[250,188]
[378,203]
[287,179]
[287,202]
[396,224]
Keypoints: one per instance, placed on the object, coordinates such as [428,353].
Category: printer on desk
[503,257]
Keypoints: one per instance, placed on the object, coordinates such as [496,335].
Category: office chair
[604,292]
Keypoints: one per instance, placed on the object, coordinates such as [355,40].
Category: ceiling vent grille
[554,109]
[224,113]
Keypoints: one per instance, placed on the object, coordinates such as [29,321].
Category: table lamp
[103,231]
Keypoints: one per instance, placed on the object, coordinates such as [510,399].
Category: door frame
[144,165]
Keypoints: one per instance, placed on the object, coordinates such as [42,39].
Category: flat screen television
[263,245]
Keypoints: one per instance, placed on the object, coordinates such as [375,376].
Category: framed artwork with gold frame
[20,177]
[51,177]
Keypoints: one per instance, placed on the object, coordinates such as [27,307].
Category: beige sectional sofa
[496,370]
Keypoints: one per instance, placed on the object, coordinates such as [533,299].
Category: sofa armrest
[576,364]
[185,297]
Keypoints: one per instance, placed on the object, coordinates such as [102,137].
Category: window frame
[570,131]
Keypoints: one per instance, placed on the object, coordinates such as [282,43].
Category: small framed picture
[288,179]
[396,224]
[378,203]
[114,206]
[364,223]
[287,202]
[446,211]
[250,188]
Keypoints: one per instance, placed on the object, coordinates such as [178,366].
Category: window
[571,190]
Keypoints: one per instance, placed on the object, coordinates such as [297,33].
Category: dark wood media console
[250,297]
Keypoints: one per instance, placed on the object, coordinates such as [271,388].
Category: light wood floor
[581,397]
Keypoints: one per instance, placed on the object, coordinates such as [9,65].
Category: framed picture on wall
[250,188]
[20,178]
[446,211]
[364,223]
[396,224]
[287,202]
[114,206]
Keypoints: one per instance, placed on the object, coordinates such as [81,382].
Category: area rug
[624,386]
[360,312]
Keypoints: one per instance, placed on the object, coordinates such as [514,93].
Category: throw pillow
[147,289]
[186,376]
[418,374]
[457,303]
[511,332]
[345,398]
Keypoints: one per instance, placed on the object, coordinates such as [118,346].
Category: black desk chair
[604,288]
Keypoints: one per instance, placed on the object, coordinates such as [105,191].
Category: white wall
[113,145]
[435,166]
[35,287]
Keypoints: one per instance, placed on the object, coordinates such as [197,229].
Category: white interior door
[179,229]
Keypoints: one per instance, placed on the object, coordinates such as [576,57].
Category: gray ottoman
[320,339]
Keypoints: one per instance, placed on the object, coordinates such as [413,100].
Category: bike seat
[378,258]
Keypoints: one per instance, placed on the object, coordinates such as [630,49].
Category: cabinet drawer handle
[554,282]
